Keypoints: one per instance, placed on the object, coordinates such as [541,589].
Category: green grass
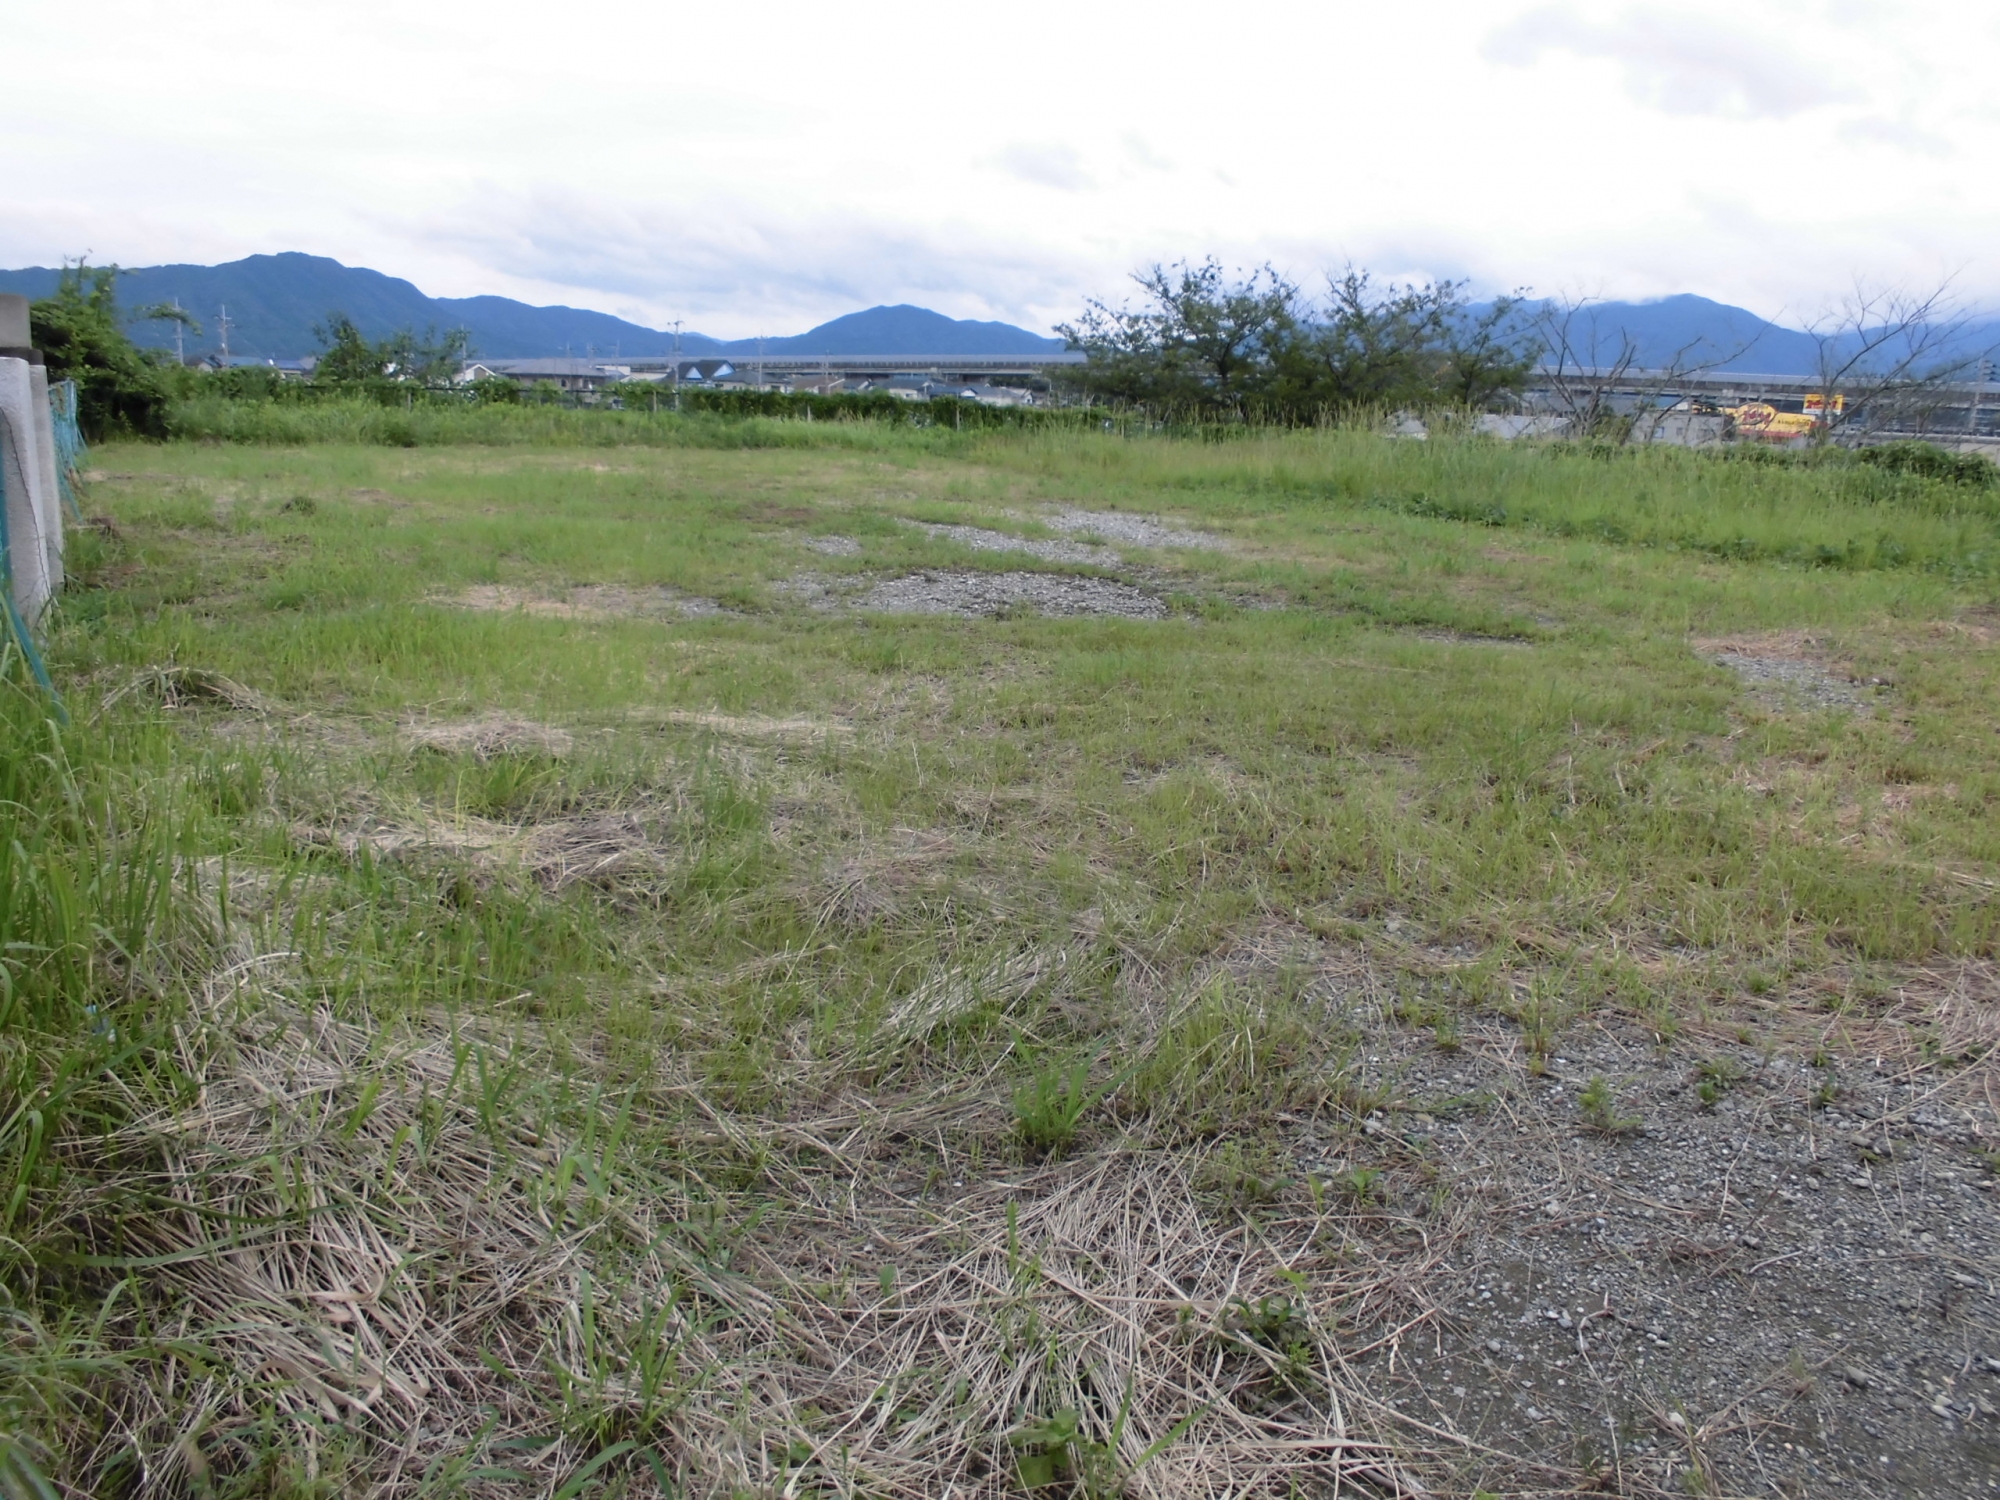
[815,905]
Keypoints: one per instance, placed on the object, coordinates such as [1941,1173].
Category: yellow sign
[1816,405]
[1765,423]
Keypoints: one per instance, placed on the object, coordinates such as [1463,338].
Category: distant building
[571,376]
[289,369]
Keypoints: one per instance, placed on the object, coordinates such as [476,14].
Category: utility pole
[1979,378]
[180,343]
[677,364]
[222,325]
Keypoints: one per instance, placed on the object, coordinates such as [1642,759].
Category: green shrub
[1928,461]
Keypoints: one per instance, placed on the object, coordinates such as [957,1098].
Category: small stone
[1858,1377]
[1564,1321]
[1534,1414]
[1553,1209]
[1676,1421]
[1860,1182]
[1493,1346]
[1751,1242]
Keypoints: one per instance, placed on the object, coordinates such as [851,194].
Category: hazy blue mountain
[275,301]
[1697,331]
[905,330]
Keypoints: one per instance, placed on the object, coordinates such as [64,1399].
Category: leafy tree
[349,359]
[120,388]
[1199,340]
[1368,350]
[1254,346]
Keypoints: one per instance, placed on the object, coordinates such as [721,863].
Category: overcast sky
[755,168]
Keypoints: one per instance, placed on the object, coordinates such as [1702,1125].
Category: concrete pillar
[51,492]
[20,472]
[24,418]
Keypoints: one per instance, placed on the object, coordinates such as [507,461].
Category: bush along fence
[31,482]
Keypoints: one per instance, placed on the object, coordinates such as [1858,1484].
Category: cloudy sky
[757,168]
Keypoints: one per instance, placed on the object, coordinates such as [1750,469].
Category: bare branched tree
[1885,357]
[1596,380]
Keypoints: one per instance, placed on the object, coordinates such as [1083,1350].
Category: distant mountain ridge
[276,301]
[1694,331]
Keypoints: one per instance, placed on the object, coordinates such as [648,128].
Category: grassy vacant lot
[521,983]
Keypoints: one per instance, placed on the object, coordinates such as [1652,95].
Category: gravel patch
[1787,682]
[1738,1266]
[982,540]
[972,595]
[1134,531]
[833,546]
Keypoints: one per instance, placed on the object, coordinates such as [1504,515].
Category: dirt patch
[590,601]
[1467,638]
[1980,626]
[490,737]
[982,540]
[975,595]
[1133,530]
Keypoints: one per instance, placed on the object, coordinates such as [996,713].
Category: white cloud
[1678,62]
[1049,164]
[730,268]
[760,171]
[1898,135]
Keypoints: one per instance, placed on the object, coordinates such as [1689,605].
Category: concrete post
[51,491]
[21,472]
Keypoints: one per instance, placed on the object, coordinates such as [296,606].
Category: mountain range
[275,302]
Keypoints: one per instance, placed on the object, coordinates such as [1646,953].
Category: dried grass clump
[759,726]
[185,687]
[613,850]
[397,1251]
[490,737]
[884,877]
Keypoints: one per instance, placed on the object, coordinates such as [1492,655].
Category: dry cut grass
[395,1246]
